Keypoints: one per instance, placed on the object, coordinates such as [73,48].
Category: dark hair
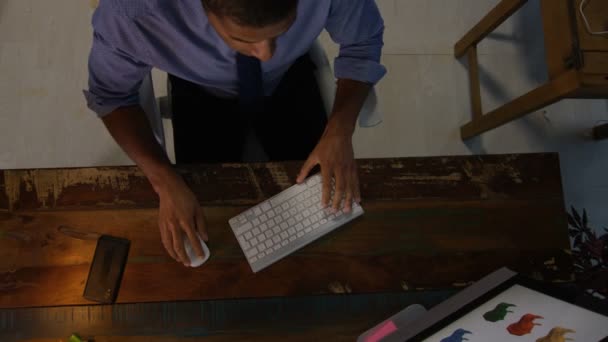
[254,13]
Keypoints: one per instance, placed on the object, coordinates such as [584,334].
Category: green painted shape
[499,313]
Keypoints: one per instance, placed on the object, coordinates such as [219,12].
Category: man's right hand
[179,217]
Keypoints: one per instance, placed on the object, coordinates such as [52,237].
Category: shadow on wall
[528,35]
[528,39]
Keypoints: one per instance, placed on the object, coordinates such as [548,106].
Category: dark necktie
[251,90]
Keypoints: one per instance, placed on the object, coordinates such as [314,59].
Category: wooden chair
[577,60]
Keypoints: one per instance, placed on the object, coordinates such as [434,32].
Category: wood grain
[455,177]
[430,223]
[558,36]
[596,12]
[311,318]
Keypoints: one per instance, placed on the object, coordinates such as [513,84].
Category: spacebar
[287,194]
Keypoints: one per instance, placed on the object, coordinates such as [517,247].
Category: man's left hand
[334,153]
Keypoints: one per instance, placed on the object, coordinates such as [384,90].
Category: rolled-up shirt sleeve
[358,27]
[116,69]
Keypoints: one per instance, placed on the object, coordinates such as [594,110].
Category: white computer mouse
[195,260]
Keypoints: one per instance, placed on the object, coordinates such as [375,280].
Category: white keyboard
[286,222]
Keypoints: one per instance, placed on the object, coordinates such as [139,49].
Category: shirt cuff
[103,107]
[363,70]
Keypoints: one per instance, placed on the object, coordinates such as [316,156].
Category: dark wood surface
[310,318]
[430,223]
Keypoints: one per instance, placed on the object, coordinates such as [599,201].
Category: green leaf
[584,218]
[571,222]
[577,240]
[577,217]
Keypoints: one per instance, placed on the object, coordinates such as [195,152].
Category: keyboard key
[306,222]
[256,231]
[285,216]
[300,234]
[265,206]
[286,195]
[270,214]
[323,221]
[263,227]
[277,247]
[278,220]
[261,247]
[276,239]
[284,243]
[252,252]
[284,226]
[242,229]
[253,241]
[256,222]
[263,218]
[257,211]
[261,238]
[261,255]
[291,222]
[306,213]
[276,230]
[285,206]
[248,235]
[299,217]
[268,233]
[292,239]
[307,230]
[284,235]
[291,231]
[293,211]
[269,243]
[299,226]
[253,259]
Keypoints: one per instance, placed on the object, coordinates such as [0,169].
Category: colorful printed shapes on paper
[556,334]
[524,326]
[499,312]
[457,336]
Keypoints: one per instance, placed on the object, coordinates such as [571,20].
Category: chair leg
[474,83]
[540,97]
[600,132]
[491,21]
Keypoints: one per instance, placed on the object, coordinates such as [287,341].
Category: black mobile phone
[106,270]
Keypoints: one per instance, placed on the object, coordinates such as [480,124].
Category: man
[237,68]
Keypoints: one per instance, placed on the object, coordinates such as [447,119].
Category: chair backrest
[147,101]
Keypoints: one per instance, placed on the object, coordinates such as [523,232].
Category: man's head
[251,26]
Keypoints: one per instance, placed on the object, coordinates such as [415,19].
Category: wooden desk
[577,62]
[430,223]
